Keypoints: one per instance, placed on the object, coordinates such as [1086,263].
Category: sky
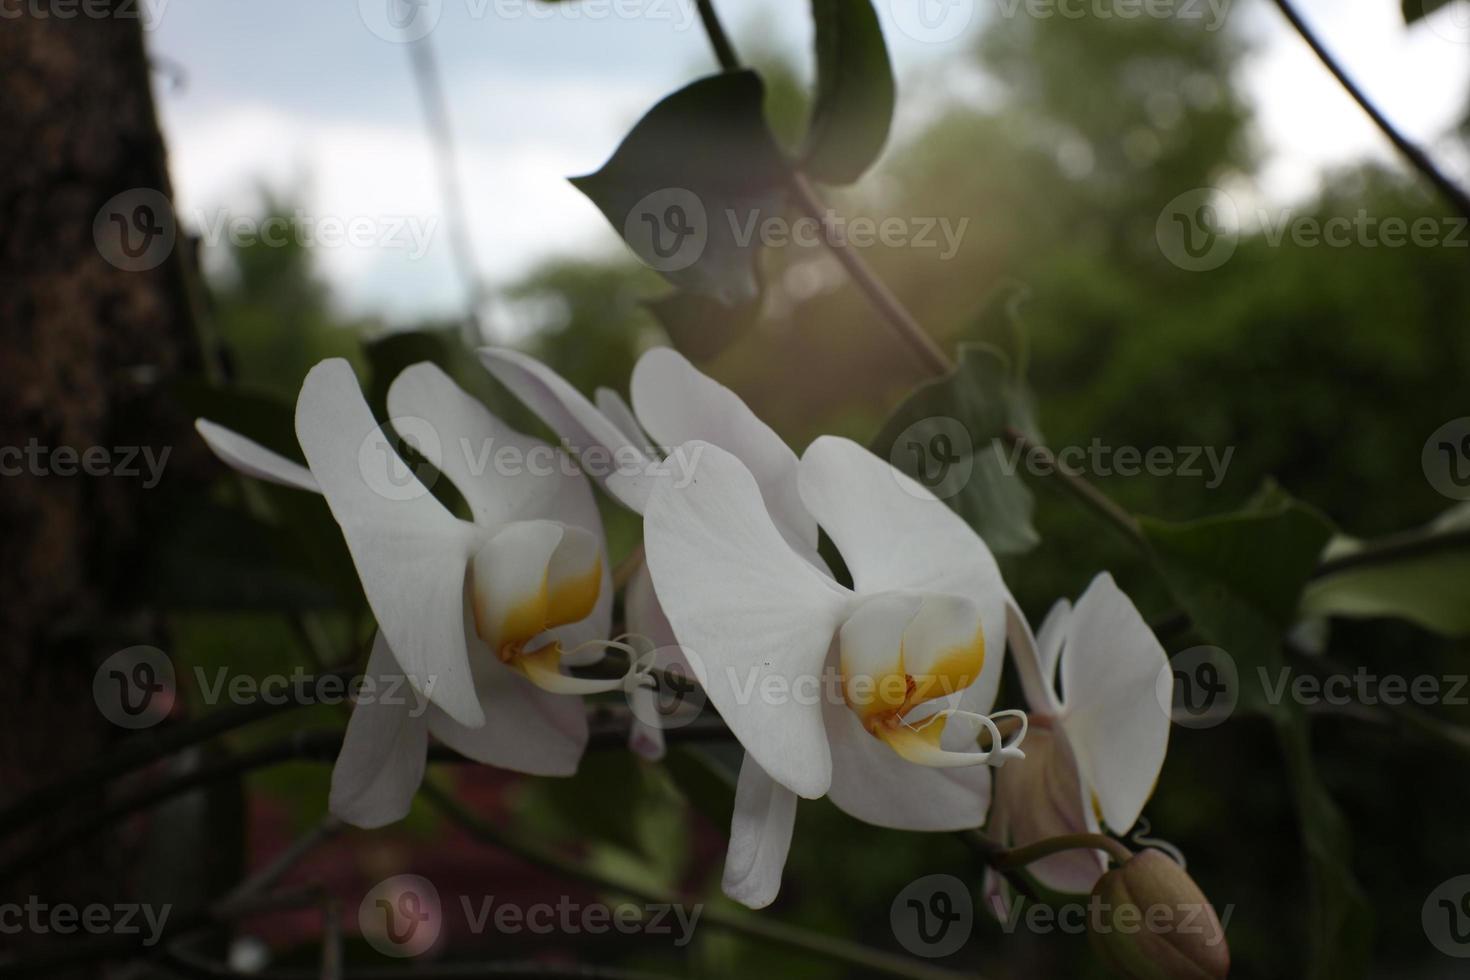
[316,100]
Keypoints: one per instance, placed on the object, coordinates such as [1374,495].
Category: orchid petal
[572,417]
[1037,679]
[411,553]
[526,729]
[531,576]
[677,403]
[896,536]
[871,656]
[1039,797]
[381,763]
[1110,668]
[645,615]
[619,413]
[874,784]
[760,837]
[943,647]
[750,610]
[468,438]
[253,459]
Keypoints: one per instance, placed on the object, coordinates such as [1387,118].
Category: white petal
[411,553]
[874,784]
[526,729]
[1110,668]
[463,442]
[253,459]
[532,576]
[620,414]
[760,837]
[677,403]
[1037,678]
[1039,797]
[894,536]
[749,612]
[572,417]
[1049,640]
[644,614]
[382,760]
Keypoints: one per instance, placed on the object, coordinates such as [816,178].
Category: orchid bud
[1150,921]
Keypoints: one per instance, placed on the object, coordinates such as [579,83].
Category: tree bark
[92,336]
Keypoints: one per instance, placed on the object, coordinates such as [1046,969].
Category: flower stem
[1019,857]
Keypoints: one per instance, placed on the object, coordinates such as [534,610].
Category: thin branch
[758,927]
[1416,156]
[609,729]
[884,302]
[1396,548]
[1093,498]
[144,749]
[718,39]
[267,877]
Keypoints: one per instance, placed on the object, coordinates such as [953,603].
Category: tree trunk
[95,321]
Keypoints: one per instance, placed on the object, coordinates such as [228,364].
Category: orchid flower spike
[1097,745]
[673,404]
[474,615]
[834,691]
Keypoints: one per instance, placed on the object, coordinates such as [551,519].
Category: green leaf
[855,92]
[1415,10]
[1240,577]
[701,328]
[690,185]
[1423,577]
[946,436]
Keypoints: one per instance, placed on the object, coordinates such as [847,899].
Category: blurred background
[1061,141]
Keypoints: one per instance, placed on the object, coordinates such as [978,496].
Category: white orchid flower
[1096,747]
[836,691]
[475,615]
[673,404]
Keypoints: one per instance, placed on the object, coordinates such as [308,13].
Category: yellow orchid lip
[529,579]
[900,651]
[896,692]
